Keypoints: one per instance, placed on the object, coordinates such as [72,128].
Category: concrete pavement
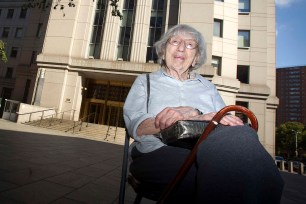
[40,166]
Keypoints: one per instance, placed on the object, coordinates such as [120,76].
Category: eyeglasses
[189,44]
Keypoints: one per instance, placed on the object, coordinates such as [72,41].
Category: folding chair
[141,189]
[144,190]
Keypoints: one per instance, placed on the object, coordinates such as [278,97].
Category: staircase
[90,131]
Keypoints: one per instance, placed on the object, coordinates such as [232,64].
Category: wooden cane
[192,155]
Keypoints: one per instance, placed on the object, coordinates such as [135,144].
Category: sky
[290,33]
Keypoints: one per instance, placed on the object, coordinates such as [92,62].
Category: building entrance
[104,102]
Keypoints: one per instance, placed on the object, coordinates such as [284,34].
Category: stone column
[110,35]
[141,30]
[39,86]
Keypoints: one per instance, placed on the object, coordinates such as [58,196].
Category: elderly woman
[231,166]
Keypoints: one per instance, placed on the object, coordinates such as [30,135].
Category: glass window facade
[97,30]
[243,38]
[23,13]
[14,52]
[242,116]
[243,73]
[19,33]
[10,13]
[244,6]
[5,32]
[156,27]
[39,30]
[216,62]
[9,72]
[126,30]
[218,28]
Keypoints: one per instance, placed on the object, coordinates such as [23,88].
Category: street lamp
[296,145]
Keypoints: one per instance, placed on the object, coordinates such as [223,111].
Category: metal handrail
[42,111]
[80,123]
[47,116]
[56,114]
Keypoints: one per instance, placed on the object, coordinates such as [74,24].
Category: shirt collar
[197,77]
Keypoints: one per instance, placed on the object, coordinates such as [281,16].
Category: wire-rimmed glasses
[189,44]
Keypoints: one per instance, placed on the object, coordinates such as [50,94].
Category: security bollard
[282,165]
[290,166]
[301,169]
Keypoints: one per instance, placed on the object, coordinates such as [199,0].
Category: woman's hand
[230,120]
[170,115]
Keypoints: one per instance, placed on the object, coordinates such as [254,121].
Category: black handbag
[183,129]
[183,133]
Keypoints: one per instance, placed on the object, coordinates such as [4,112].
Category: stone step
[92,131]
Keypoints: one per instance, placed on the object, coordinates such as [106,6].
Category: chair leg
[138,199]
[124,169]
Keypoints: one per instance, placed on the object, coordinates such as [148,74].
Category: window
[242,116]
[9,73]
[23,13]
[10,13]
[39,30]
[243,38]
[244,6]
[6,93]
[26,91]
[156,23]
[218,28]
[125,37]
[216,62]
[97,30]
[243,73]
[33,57]
[5,32]
[19,32]
[14,52]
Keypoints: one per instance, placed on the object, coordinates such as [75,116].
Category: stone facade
[69,69]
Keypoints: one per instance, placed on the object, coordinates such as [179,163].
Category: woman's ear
[195,60]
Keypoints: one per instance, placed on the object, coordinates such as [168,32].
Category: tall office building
[291,91]
[90,58]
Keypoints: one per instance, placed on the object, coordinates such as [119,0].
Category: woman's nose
[181,46]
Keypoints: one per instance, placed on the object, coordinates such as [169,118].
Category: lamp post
[296,145]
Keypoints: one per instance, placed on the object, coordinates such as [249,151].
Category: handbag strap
[148,91]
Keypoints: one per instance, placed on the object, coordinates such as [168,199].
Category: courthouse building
[87,59]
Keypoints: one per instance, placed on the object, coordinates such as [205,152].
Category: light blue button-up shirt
[166,91]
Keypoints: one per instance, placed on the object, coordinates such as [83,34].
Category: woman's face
[181,52]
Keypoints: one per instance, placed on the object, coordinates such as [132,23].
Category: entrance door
[113,115]
[94,112]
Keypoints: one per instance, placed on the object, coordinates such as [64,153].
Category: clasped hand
[170,115]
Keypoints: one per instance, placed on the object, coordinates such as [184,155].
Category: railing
[80,122]
[56,116]
[33,112]
[43,116]
[290,167]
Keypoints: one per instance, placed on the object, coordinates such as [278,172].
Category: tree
[287,136]
[2,52]
[44,4]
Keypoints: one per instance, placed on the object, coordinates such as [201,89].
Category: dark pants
[231,167]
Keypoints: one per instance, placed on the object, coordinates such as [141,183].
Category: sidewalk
[40,166]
